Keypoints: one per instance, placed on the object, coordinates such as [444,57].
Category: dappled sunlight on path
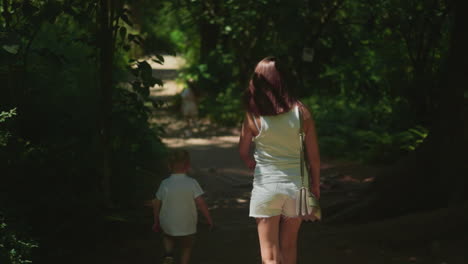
[222,141]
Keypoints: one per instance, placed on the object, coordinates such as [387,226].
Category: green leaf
[158,61]
[160,57]
[159,82]
[417,132]
[136,85]
[144,91]
[135,38]
[123,32]
[13,49]
[145,70]
[126,10]
[125,18]
[4,116]
[153,81]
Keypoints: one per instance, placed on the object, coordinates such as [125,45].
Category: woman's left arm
[245,141]
[312,149]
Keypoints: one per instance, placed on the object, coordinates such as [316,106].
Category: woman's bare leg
[288,231]
[268,235]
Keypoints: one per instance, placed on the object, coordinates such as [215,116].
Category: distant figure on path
[272,123]
[175,208]
[189,107]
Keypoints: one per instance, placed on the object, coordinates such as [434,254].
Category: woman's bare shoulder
[306,112]
[250,123]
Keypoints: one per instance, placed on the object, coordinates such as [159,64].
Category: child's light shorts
[272,199]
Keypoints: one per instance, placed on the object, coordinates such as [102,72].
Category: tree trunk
[209,32]
[208,39]
[453,120]
[106,50]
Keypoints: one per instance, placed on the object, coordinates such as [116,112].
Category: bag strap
[255,122]
[301,141]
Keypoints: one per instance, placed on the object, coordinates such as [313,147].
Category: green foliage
[226,108]
[6,115]
[376,68]
[48,152]
[367,132]
[137,150]
[5,134]
[14,250]
[144,79]
[165,29]
[393,49]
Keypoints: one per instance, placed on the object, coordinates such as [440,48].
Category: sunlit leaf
[160,57]
[158,61]
[13,49]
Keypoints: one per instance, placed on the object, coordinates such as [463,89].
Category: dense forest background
[385,79]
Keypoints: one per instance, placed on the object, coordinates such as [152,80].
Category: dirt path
[227,183]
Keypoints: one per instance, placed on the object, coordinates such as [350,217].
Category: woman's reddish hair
[268,93]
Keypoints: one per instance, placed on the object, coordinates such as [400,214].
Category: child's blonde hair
[178,156]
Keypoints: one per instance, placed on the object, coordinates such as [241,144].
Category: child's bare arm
[201,204]
[156,209]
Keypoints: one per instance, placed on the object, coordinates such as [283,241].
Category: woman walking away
[272,122]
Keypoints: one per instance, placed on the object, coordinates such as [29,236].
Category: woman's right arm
[245,141]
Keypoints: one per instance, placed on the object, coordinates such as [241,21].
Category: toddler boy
[174,208]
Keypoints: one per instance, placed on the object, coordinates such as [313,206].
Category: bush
[137,151]
[353,129]
[5,134]
[14,250]
[226,109]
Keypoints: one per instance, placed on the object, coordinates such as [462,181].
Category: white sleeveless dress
[189,106]
[277,175]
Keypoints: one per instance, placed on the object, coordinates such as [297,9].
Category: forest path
[227,182]
[227,185]
[217,167]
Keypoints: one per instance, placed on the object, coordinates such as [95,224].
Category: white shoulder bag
[307,205]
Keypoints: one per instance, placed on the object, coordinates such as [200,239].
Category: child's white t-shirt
[178,214]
